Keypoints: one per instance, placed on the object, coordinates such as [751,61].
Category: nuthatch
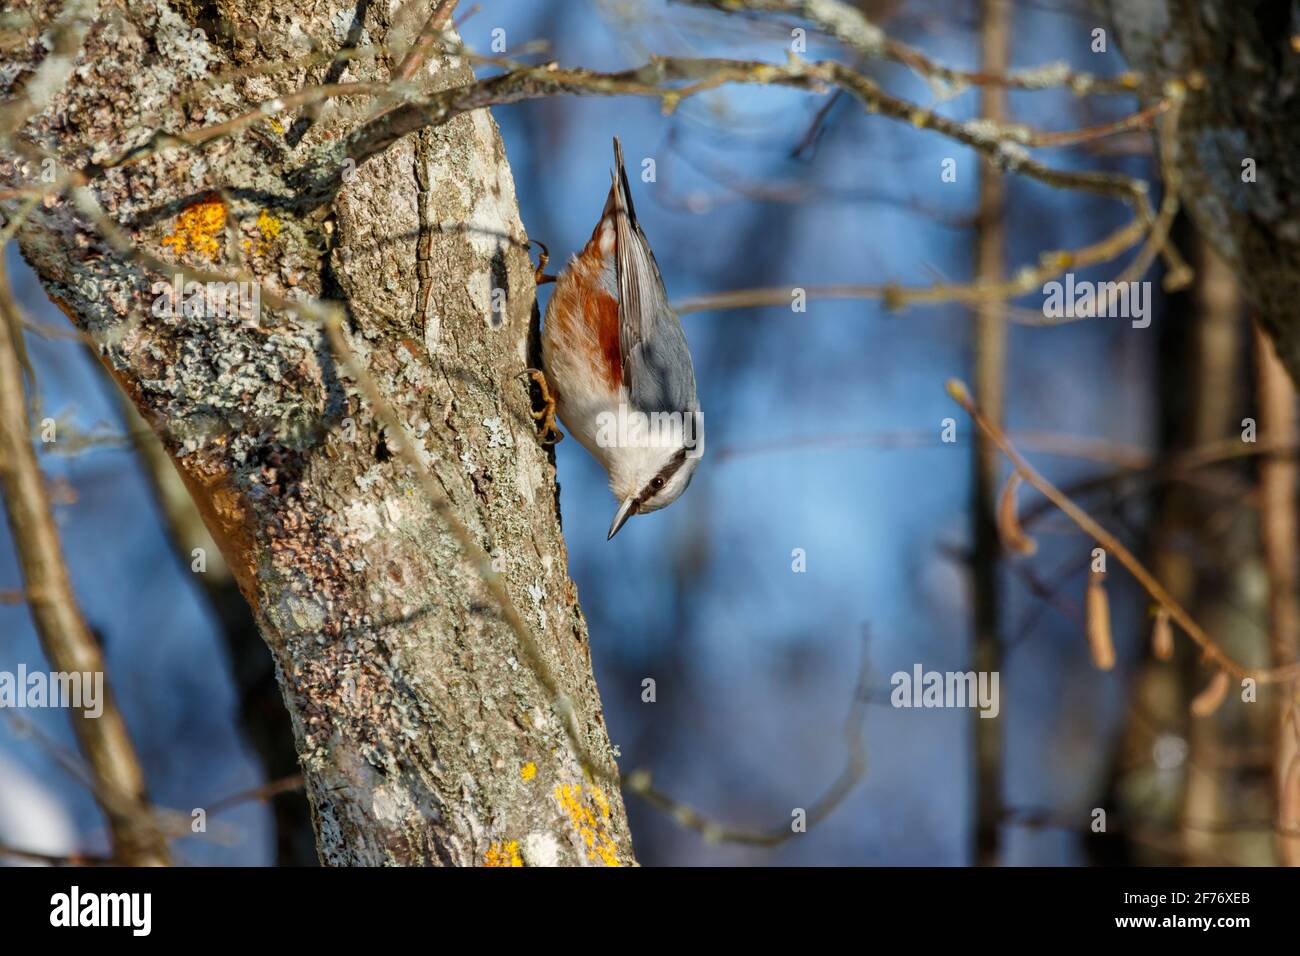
[618,369]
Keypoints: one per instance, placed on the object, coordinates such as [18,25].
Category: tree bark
[424,736]
[265,722]
[1245,111]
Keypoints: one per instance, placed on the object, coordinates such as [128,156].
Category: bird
[617,367]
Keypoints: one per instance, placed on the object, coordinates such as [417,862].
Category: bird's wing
[656,360]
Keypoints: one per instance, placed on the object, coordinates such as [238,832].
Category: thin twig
[262,794]
[847,24]
[638,782]
[423,45]
[1115,547]
[55,859]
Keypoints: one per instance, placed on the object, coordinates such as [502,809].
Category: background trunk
[423,735]
[1246,111]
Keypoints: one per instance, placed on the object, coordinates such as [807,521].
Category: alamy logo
[53,689]
[922,688]
[630,428]
[103,909]
[1087,300]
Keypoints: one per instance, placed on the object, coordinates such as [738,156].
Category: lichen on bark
[414,712]
[1239,135]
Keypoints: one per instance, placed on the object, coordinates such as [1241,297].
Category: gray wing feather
[656,360]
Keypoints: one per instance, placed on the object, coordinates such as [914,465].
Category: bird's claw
[550,434]
[543,257]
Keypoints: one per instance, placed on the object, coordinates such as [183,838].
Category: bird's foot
[550,434]
[543,257]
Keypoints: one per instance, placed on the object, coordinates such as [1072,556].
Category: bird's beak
[626,510]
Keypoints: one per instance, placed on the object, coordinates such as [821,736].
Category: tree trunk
[990,386]
[1238,138]
[265,722]
[423,733]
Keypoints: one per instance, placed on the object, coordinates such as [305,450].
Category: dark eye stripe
[665,473]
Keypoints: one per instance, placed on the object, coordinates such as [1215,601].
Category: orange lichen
[588,813]
[528,771]
[503,854]
[268,230]
[200,228]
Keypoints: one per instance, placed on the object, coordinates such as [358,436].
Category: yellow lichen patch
[528,771]
[503,854]
[268,230]
[200,228]
[588,813]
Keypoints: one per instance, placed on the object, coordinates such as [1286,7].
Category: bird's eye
[657,483]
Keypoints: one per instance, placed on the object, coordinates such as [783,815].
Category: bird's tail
[620,193]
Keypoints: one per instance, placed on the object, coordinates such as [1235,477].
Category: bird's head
[649,471]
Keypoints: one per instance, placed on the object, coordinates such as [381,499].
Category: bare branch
[64,636]
[1114,546]
[848,25]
